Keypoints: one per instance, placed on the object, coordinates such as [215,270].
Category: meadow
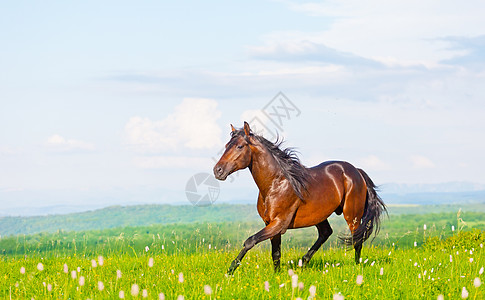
[419,256]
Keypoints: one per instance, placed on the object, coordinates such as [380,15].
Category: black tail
[374,206]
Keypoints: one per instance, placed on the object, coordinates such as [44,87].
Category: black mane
[288,161]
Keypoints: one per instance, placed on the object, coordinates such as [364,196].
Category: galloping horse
[293,196]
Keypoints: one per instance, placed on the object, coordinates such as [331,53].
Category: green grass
[417,273]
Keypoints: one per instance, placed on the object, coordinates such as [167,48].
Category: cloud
[474,48]
[421,162]
[301,49]
[403,32]
[373,163]
[58,143]
[191,125]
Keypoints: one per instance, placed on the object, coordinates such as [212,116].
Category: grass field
[191,260]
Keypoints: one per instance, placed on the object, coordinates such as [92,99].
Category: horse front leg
[272,229]
[276,251]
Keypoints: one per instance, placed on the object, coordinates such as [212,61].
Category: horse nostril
[219,170]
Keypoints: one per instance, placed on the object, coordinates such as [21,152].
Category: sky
[116,102]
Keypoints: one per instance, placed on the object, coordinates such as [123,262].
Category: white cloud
[59,143]
[421,162]
[192,124]
[406,32]
[373,163]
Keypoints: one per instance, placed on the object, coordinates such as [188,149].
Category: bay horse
[293,196]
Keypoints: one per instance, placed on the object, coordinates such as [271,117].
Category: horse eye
[240,146]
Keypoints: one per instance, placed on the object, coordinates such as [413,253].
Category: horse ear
[247,130]
[232,128]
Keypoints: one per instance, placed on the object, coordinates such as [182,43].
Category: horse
[293,196]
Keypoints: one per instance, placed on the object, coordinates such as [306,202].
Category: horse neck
[264,169]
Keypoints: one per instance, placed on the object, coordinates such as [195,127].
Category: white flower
[481,271]
[180,297]
[163,247]
[300,263]
[424,226]
[73,274]
[121,295]
[93,263]
[22,270]
[381,272]
[266,286]
[281,285]
[451,258]
[49,287]
[359,279]
[477,282]
[135,290]
[338,297]
[144,293]
[66,269]
[312,290]
[294,281]
[40,267]
[150,262]
[181,277]
[471,259]
[290,272]
[440,297]
[78,269]
[100,285]
[161,296]
[301,285]
[415,244]
[464,293]
[207,290]
[452,228]
[118,274]
[100,260]
[81,281]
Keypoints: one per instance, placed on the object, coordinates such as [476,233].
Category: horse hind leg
[324,232]
[276,251]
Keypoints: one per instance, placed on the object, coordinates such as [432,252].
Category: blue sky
[117,102]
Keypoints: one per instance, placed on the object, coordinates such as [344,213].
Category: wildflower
[471,259]
[294,281]
[451,258]
[66,269]
[360,279]
[73,274]
[78,269]
[389,254]
[338,297]
[135,290]
[300,263]
[209,246]
[146,248]
[208,289]
[381,272]
[100,285]
[180,297]
[144,293]
[161,296]
[415,264]
[121,295]
[40,267]
[290,272]
[81,281]
[464,293]
[93,263]
[365,261]
[49,287]
[22,270]
[301,285]
[181,277]
[372,263]
[266,286]
[150,262]
[452,228]
[415,244]
[424,226]
[477,282]
[100,260]
[481,245]
[281,285]
[163,247]
[440,297]
[481,271]
[118,274]
[312,290]
[173,272]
